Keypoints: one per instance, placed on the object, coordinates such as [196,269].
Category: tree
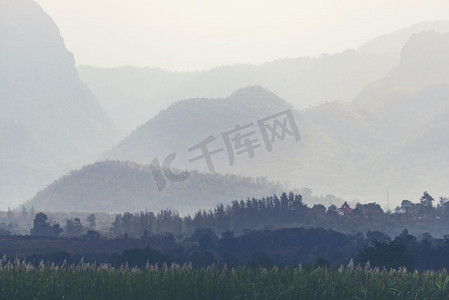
[407,207]
[331,210]
[92,235]
[73,227]
[43,227]
[426,205]
[284,201]
[319,210]
[129,224]
[369,210]
[376,236]
[387,254]
[443,207]
[92,221]
[296,202]
[24,212]
[206,238]
[10,214]
[427,200]
[117,226]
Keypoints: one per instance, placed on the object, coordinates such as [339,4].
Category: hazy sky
[198,34]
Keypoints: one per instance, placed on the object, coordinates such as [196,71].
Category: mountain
[387,139]
[130,95]
[192,120]
[413,91]
[390,140]
[393,42]
[114,186]
[133,95]
[126,181]
[187,123]
[385,133]
[49,121]
[395,128]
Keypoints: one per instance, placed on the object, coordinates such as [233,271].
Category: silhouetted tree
[24,212]
[407,208]
[43,227]
[73,227]
[426,205]
[91,219]
[387,254]
[10,214]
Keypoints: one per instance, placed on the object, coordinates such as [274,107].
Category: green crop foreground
[19,280]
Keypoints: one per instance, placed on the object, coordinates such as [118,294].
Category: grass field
[19,280]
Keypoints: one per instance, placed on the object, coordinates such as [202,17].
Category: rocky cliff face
[49,120]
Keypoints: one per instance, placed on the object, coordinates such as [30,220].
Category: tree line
[271,212]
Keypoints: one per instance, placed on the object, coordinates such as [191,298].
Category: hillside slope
[115,186]
[49,120]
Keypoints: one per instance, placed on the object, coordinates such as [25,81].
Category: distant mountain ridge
[194,120]
[393,42]
[403,117]
[133,95]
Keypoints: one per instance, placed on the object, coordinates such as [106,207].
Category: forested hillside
[126,186]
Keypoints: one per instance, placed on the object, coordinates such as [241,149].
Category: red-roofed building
[344,209]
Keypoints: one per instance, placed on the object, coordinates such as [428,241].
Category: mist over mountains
[372,120]
[297,80]
[393,42]
[386,140]
[132,95]
[396,125]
